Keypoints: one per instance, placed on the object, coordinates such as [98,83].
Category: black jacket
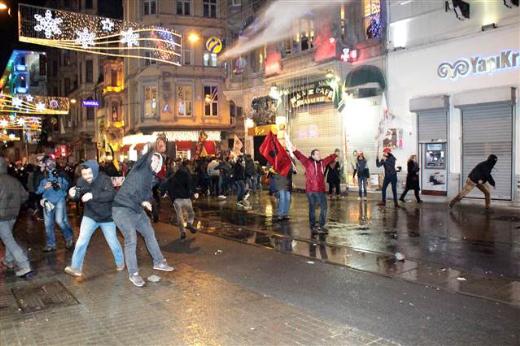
[412,177]
[180,185]
[137,186]
[99,208]
[239,172]
[12,194]
[333,173]
[481,174]
[388,164]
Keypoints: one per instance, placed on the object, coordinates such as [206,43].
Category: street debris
[399,256]
[460,278]
[218,252]
[154,278]
[310,262]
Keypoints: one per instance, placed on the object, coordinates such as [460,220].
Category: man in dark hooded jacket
[388,163]
[133,197]
[12,195]
[95,190]
[478,177]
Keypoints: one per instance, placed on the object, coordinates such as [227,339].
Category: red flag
[275,154]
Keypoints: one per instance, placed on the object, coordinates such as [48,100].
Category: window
[210,8]
[88,4]
[210,59]
[150,102]
[186,56]
[90,113]
[89,73]
[184,100]
[184,7]
[149,54]
[210,101]
[372,19]
[150,7]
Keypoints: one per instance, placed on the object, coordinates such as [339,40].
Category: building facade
[179,101]
[453,76]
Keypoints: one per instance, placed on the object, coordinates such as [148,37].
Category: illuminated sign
[507,59]
[319,92]
[90,103]
[214,45]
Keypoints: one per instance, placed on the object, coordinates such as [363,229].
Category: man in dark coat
[95,190]
[412,179]
[12,195]
[388,163]
[478,177]
[180,189]
[133,197]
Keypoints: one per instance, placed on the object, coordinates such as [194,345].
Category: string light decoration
[28,104]
[98,35]
[16,122]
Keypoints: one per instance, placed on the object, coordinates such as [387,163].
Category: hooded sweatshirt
[99,208]
[12,194]
[137,186]
[481,174]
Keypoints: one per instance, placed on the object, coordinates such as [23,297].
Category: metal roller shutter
[432,125]
[488,129]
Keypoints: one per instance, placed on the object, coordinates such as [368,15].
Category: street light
[193,37]
[4,7]
[73,101]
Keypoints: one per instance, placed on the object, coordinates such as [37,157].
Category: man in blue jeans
[12,195]
[53,189]
[128,212]
[388,163]
[95,190]
[315,184]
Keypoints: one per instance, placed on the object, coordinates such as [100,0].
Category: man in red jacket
[315,184]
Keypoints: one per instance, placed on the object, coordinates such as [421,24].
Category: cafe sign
[314,93]
[464,67]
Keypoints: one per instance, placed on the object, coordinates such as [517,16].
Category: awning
[183,145]
[365,77]
[125,148]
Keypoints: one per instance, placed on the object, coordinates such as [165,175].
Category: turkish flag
[275,154]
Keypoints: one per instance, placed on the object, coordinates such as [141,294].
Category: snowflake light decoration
[107,24]
[3,123]
[47,24]
[129,37]
[17,102]
[29,98]
[20,121]
[85,38]
[54,103]
[40,106]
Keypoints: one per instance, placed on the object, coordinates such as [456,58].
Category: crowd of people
[46,188]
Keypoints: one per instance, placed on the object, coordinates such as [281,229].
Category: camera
[55,185]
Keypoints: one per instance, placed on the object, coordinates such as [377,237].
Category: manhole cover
[42,296]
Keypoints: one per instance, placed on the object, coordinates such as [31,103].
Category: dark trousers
[241,190]
[333,186]
[315,199]
[416,194]
[387,181]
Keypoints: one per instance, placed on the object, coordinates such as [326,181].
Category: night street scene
[259,172]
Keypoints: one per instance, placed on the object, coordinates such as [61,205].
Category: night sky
[9,31]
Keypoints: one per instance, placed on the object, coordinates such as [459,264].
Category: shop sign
[214,45]
[505,60]
[90,103]
[315,93]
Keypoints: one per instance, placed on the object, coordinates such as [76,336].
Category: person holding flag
[314,184]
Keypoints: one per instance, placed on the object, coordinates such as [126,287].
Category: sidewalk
[465,250]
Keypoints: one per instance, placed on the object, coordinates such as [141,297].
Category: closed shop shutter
[432,125]
[488,129]
[320,128]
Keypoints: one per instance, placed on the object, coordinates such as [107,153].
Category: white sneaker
[163,266]
[222,197]
[136,279]
[71,271]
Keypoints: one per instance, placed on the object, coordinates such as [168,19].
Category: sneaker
[240,204]
[69,245]
[120,268]
[23,272]
[71,271]
[183,235]
[222,197]
[137,280]
[246,196]
[163,266]
[49,249]
[192,229]
[323,230]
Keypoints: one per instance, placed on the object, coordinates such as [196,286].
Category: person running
[128,213]
[333,174]
[314,184]
[180,190]
[388,163]
[12,196]
[95,190]
[53,188]
[362,173]
[412,179]
[478,177]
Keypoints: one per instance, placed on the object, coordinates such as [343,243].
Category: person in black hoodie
[95,190]
[412,179]
[478,177]
[388,163]
[333,174]
[133,197]
[180,190]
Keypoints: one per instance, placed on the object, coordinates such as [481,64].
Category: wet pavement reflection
[467,249]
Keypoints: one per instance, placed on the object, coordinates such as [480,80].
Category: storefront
[458,99]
